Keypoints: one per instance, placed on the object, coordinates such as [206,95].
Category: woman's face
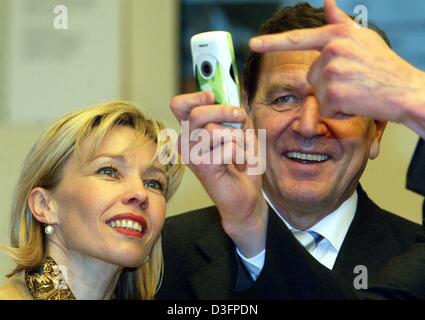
[112,207]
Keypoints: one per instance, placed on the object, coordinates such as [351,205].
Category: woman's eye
[108,171]
[154,184]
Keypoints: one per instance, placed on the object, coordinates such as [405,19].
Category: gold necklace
[47,282]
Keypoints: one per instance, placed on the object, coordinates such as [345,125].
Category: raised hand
[357,73]
[234,186]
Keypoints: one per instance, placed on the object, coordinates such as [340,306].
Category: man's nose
[136,194]
[308,122]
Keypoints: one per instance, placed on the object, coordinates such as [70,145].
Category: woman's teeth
[126,224]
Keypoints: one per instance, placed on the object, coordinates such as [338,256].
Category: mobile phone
[215,69]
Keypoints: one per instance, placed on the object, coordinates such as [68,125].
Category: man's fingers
[202,115]
[300,39]
[228,152]
[306,39]
[222,153]
[334,14]
[316,70]
[182,105]
[216,141]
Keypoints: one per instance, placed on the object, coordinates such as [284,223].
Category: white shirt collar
[334,226]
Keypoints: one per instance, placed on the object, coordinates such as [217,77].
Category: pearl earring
[49,230]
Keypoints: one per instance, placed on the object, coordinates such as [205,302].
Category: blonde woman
[89,208]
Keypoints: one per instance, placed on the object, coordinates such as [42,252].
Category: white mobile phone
[214,67]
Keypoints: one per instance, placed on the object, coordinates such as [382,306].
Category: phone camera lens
[206,69]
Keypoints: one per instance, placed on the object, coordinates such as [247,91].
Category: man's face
[313,162]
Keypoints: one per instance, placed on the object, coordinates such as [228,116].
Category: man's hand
[356,73]
[237,194]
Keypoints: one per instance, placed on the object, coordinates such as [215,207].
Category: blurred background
[139,50]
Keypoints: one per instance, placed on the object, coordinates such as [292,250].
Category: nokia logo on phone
[203,45]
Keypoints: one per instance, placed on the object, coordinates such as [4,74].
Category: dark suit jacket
[374,236]
[402,277]
[416,174]
[201,263]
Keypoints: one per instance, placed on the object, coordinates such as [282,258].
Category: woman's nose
[137,195]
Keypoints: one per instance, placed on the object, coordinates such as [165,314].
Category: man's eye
[154,184]
[342,116]
[108,171]
[288,99]
[286,103]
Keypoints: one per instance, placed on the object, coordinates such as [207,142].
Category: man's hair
[300,16]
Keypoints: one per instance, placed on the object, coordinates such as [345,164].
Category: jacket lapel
[215,279]
[364,240]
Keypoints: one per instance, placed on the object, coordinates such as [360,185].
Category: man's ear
[376,143]
[42,206]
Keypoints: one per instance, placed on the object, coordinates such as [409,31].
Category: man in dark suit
[201,262]
[310,204]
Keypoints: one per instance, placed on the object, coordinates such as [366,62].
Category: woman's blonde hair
[43,168]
